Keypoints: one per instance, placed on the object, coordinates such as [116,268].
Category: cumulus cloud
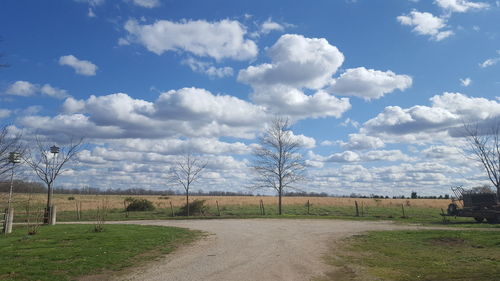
[147,3]
[50,91]
[370,156]
[82,67]
[461,6]
[445,115]
[298,81]
[361,141]
[489,62]
[92,2]
[208,68]
[369,83]
[22,88]
[465,82]
[26,89]
[296,61]
[187,112]
[218,40]
[180,146]
[269,25]
[294,102]
[424,23]
[4,113]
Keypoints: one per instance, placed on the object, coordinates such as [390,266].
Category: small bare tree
[8,144]
[186,171]
[278,161]
[48,162]
[485,146]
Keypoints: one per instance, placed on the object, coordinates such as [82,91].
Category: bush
[139,205]
[196,208]
[71,198]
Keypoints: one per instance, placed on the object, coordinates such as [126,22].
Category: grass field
[63,252]
[419,255]
[91,202]
[423,211]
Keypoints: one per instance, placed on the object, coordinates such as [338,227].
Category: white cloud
[443,118]
[489,62]
[4,113]
[208,68]
[269,25]
[147,3]
[370,156]
[369,83]
[91,13]
[219,40]
[50,91]
[465,82]
[26,89]
[360,142]
[424,23]
[461,6]
[188,112]
[343,157]
[92,2]
[296,61]
[82,67]
[22,88]
[350,122]
[293,102]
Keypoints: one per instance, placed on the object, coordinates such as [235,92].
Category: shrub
[139,205]
[196,207]
[71,198]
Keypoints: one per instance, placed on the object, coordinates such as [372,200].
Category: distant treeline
[36,187]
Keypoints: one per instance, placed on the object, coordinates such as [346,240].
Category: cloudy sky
[377,90]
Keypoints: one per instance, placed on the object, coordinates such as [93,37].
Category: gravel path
[252,249]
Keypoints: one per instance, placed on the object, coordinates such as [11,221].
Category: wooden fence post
[218,210]
[308,206]
[362,209]
[263,209]
[403,208]
[172,209]
[357,209]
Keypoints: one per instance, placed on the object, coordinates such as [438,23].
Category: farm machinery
[478,205]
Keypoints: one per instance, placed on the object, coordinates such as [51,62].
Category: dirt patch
[448,241]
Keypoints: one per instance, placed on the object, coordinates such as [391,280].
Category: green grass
[63,251]
[413,215]
[420,255]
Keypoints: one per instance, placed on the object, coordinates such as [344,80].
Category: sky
[377,91]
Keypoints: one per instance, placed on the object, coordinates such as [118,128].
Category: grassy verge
[62,252]
[413,215]
[419,255]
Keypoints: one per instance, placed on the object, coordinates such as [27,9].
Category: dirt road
[252,249]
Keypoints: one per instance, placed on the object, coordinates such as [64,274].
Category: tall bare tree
[278,161]
[186,171]
[48,161]
[485,146]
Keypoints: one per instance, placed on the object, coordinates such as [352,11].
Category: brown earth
[252,249]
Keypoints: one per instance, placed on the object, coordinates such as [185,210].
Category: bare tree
[278,161]
[8,143]
[48,162]
[485,146]
[186,171]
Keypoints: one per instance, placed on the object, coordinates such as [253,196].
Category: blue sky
[375,89]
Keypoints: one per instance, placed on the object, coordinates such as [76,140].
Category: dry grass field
[91,202]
